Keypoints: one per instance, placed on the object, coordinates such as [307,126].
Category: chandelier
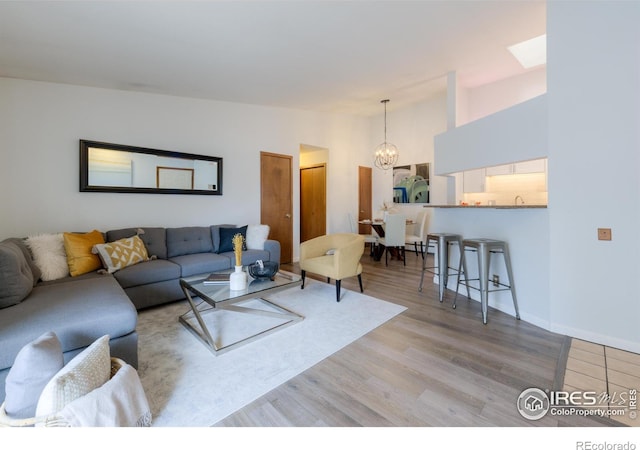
[386,154]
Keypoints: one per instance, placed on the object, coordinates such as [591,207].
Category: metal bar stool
[484,248]
[443,240]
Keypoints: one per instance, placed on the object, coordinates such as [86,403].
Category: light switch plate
[604,234]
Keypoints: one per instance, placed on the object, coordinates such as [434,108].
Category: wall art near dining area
[411,183]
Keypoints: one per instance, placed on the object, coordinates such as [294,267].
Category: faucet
[515,201]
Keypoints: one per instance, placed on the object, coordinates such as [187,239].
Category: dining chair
[371,239]
[394,236]
[419,236]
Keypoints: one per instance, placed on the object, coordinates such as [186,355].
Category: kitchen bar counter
[525,206]
[524,227]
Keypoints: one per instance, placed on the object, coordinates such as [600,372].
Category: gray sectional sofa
[83,308]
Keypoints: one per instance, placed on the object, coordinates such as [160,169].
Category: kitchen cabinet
[473,180]
[533,166]
[505,169]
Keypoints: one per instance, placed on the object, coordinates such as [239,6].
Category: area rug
[188,386]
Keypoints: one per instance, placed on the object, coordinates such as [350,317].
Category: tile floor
[594,367]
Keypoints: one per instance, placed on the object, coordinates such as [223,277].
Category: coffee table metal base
[201,331]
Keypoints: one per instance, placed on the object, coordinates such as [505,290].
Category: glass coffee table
[210,300]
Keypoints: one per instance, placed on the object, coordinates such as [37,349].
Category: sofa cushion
[69,278]
[78,312]
[154,238]
[226,238]
[78,247]
[147,272]
[16,278]
[22,245]
[215,235]
[201,263]
[36,364]
[121,253]
[188,240]
[49,255]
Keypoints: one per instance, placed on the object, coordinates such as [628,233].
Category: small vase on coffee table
[238,279]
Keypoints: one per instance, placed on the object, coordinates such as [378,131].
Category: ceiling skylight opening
[531,53]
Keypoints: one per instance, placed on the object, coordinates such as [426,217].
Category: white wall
[594,159]
[41,123]
[482,101]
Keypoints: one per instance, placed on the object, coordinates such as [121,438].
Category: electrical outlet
[496,280]
[604,234]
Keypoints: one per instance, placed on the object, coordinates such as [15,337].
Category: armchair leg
[360,281]
[338,290]
[303,273]
[404,258]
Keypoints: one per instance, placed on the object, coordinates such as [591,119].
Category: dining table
[378,227]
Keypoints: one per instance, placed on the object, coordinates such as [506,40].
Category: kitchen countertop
[525,206]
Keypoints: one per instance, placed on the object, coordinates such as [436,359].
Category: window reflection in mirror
[118,168]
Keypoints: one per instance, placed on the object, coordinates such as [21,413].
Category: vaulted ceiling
[334,56]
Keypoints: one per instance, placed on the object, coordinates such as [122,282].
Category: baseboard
[597,338]
[505,306]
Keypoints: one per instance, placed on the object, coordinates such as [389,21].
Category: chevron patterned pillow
[121,253]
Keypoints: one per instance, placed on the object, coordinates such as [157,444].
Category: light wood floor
[429,366]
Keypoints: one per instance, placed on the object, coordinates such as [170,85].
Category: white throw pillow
[87,371]
[36,364]
[256,236]
[49,255]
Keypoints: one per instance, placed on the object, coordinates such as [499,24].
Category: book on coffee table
[217,278]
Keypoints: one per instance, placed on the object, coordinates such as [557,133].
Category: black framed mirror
[108,167]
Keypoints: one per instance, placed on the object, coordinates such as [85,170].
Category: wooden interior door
[276,200]
[313,202]
[365,207]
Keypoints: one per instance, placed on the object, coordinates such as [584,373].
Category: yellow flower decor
[238,242]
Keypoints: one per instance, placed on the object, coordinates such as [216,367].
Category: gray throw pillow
[16,278]
[36,364]
[22,245]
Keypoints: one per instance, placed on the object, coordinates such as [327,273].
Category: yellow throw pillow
[78,248]
[122,253]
